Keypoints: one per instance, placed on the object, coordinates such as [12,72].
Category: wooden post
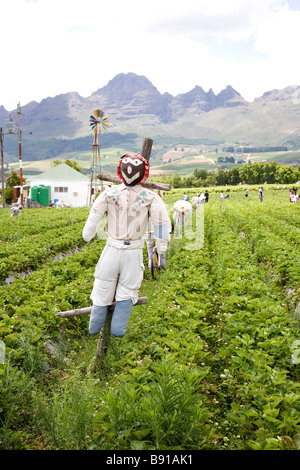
[145,184]
[145,152]
[87,310]
[146,148]
[104,335]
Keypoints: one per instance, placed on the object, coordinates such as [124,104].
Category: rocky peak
[132,95]
[124,87]
[229,97]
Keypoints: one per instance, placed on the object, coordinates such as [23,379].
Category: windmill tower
[99,123]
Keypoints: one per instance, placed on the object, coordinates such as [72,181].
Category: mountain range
[134,105]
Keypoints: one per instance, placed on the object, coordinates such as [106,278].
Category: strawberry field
[210,362]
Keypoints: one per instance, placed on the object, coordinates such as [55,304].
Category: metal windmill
[99,123]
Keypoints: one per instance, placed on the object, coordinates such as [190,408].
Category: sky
[52,47]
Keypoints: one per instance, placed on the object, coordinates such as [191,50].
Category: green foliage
[15,406]
[69,162]
[162,412]
[65,416]
[208,363]
[13,179]
[256,173]
[8,195]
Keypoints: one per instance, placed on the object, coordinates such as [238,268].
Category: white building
[67,185]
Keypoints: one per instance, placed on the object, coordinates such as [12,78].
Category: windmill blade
[100,120]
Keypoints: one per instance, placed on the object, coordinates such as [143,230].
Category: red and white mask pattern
[133,169]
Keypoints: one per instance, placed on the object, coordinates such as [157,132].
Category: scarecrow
[119,271]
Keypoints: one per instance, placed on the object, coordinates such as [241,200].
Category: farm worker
[202,198]
[261,194]
[206,195]
[16,210]
[119,271]
[197,200]
[222,196]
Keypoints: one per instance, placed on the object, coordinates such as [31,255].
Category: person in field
[197,200]
[119,271]
[16,210]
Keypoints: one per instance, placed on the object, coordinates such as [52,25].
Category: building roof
[60,172]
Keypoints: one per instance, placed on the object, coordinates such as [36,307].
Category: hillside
[60,125]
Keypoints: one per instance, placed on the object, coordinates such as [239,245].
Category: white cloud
[51,47]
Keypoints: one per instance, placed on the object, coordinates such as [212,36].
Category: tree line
[278,148]
[256,173]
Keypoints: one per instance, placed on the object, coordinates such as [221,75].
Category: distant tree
[190,182]
[234,176]
[13,179]
[222,177]
[270,171]
[211,180]
[201,174]
[230,159]
[287,174]
[177,183]
[69,162]
[246,174]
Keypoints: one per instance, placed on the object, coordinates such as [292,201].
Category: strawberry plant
[210,362]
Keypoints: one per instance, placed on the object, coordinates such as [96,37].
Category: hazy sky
[50,47]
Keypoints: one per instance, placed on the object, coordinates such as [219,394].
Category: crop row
[270,243]
[275,224]
[287,213]
[37,221]
[258,382]
[206,363]
[220,314]
[30,303]
[32,250]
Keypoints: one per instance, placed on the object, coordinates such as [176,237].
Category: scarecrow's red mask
[133,169]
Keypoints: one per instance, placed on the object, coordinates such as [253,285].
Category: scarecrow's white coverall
[119,271]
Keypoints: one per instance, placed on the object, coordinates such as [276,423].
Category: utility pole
[20,155]
[2,168]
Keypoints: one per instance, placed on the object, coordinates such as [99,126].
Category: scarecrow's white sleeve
[91,226]
[159,215]
[94,219]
